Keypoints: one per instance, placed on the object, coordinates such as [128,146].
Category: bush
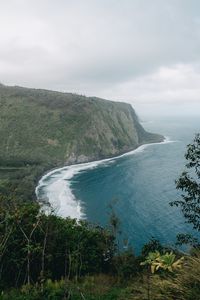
[48,246]
[126,265]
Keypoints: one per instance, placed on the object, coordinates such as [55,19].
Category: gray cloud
[135,50]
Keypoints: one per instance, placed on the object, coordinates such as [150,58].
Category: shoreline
[99,160]
[55,184]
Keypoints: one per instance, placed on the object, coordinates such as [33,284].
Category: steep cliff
[60,128]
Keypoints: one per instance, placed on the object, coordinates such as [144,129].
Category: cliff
[44,126]
[41,129]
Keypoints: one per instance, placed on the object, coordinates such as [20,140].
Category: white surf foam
[54,188]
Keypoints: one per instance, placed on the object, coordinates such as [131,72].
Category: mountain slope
[41,129]
[40,125]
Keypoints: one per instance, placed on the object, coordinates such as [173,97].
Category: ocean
[139,186]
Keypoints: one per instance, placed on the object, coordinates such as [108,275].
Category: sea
[137,186]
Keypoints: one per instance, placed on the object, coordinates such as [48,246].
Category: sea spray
[54,188]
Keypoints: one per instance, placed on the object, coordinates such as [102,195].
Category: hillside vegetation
[40,125]
[56,258]
[42,129]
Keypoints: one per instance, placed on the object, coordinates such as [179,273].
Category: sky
[144,52]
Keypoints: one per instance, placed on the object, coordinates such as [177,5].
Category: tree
[152,246]
[189,184]
[35,246]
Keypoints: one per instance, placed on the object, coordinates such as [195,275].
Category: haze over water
[142,184]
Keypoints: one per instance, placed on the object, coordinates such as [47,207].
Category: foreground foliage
[102,287]
[189,184]
[183,284]
[47,257]
[166,261]
[34,247]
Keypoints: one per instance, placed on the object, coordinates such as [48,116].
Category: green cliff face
[39,126]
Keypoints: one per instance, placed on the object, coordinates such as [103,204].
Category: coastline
[55,185]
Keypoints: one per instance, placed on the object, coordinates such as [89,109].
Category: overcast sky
[146,52]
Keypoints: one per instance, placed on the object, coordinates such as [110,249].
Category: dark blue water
[143,184]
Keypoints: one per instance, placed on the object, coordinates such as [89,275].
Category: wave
[54,188]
